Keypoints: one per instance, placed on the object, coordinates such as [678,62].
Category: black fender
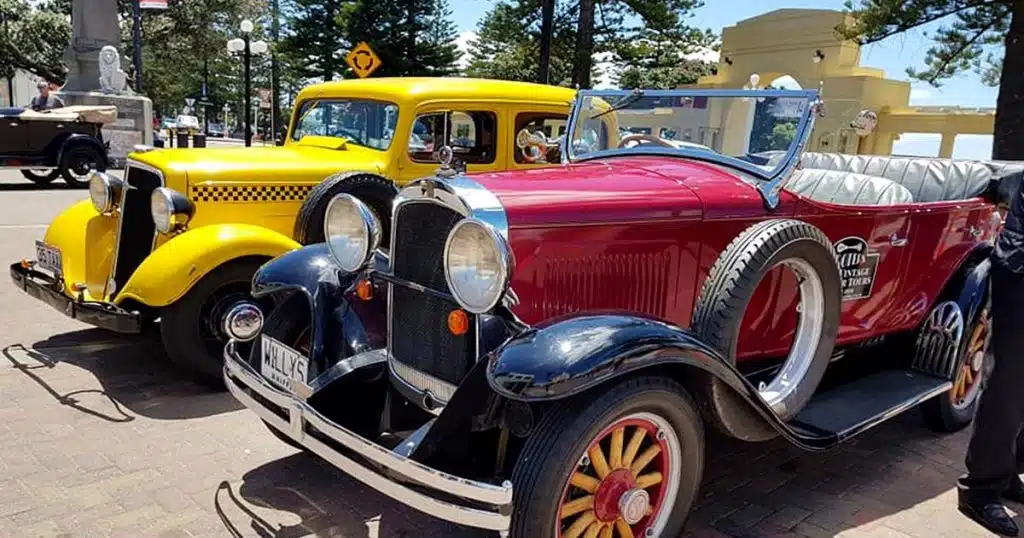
[973,294]
[334,310]
[76,139]
[572,354]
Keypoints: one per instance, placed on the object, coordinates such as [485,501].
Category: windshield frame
[298,114]
[773,181]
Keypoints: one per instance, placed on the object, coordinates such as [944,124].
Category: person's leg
[992,452]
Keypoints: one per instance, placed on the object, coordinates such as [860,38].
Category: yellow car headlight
[171,210]
[105,192]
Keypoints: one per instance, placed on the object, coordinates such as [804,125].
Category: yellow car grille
[249,193]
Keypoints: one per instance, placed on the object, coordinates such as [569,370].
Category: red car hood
[602,191]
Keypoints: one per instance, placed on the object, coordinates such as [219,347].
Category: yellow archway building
[803,44]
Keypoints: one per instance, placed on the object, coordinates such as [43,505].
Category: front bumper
[241,378]
[49,290]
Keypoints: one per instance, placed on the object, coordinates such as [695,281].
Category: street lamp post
[247,48]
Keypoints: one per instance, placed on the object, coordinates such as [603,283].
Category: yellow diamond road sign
[362,60]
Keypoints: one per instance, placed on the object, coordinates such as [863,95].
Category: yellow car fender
[174,267]
[85,240]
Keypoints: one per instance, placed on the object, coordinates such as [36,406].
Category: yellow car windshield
[359,121]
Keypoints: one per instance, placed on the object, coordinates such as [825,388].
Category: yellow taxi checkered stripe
[249,193]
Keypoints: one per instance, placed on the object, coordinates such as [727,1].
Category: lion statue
[112,77]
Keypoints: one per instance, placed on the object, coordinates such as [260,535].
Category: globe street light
[247,49]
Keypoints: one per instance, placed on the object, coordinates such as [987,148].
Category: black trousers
[995,455]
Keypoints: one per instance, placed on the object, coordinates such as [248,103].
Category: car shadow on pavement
[135,375]
[302,495]
[895,473]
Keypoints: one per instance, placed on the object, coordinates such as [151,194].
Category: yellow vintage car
[179,237]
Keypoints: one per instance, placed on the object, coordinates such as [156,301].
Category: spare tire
[723,301]
[373,190]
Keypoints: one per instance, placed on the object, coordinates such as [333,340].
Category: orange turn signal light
[458,322]
[27,263]
[364,290]
[79,287]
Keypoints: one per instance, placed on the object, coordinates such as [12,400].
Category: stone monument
[95,77]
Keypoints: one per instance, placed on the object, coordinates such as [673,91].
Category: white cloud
[462,42]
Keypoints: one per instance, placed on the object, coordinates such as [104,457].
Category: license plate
[49,258]
[283,365]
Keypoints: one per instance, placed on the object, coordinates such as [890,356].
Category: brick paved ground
[99,436]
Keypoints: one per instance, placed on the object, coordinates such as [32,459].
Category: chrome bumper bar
[238,376]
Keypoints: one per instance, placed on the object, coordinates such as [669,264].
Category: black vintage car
[65,142]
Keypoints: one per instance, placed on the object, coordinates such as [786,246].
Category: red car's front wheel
[625,462]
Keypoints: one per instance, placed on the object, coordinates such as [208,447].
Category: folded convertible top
[84,113]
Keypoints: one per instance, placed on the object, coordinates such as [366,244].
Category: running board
[848,410]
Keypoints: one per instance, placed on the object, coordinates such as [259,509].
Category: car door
[870,245]
[470,129]
[12,136]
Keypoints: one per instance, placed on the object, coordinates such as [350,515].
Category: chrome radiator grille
[419,337]
[136,232]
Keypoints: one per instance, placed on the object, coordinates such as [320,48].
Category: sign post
[363,60]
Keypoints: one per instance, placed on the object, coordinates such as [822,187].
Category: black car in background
[65,142]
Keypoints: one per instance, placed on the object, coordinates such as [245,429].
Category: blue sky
[893,55]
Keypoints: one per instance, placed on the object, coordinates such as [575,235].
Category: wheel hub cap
[633,505]
[610,494]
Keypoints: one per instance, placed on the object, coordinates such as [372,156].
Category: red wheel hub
[610,492]
[618,490]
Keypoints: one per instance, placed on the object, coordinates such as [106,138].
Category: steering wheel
[639,137]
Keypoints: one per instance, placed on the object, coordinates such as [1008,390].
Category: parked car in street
[179,236]
[65,142]
[215,129]
[541,352]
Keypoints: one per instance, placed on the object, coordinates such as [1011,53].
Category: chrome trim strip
[300,414]
[128,165]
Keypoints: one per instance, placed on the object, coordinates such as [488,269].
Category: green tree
[984,35]
[33,36]
[508,43]
[411,37]
[315,41]
[636,36]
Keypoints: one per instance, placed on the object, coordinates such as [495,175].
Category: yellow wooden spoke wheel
[625,483]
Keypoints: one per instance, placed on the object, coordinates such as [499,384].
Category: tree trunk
[547,18]
[584,45]
[275,67]
[1008,138]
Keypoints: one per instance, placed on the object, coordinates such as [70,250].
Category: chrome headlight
[105,191]
[477,265]
[352,232]
[171,210]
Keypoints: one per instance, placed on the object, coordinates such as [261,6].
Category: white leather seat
[847,188]
[927,179]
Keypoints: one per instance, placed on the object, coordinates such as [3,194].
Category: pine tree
[507,46]
[316,42]
[411,37]
[987,36]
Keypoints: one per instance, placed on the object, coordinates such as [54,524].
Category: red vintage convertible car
[540,352]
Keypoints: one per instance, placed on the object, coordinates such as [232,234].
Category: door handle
[975,232]
[897,241]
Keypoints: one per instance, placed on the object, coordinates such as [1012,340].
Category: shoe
[990,515]
[1015,491]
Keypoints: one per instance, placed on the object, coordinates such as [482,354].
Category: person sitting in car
[45,100]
